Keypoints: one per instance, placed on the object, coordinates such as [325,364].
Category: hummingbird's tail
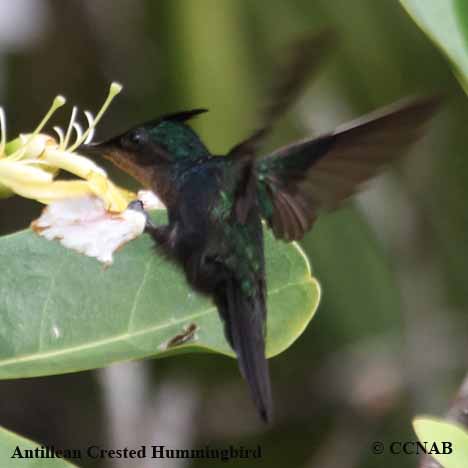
[244,320]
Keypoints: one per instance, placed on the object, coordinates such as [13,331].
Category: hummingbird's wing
[298,181]
[303,59]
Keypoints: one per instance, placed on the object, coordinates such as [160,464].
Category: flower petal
[16,173]
[71,162]
[115,198]
[84,225]
[49,192]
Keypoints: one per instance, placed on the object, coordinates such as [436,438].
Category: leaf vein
[128,336]
[46,303]
[139,291]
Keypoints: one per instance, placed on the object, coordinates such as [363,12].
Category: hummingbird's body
[224,259]
[216,204]
[221,257]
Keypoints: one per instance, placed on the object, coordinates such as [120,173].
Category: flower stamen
[69,129]
[90,119]
[114,89]
[58,102]
[44,154]
[79,133]
[60,135]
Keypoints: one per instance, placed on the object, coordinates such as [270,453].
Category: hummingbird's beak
[123,159]
[106,149]
[95,149]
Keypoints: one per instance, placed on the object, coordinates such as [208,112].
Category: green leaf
[11,442]
[432,430]
[446,23]
[357,276]
[63,312]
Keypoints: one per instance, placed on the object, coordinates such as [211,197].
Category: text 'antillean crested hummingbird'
[216,204]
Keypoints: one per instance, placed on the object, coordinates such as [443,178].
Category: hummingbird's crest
[175,137]
[181,116]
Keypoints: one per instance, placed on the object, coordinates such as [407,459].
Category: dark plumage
[216,204]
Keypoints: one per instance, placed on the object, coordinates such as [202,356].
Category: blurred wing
[302,60]
[298,181]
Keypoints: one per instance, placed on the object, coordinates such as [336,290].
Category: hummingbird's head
[149,149]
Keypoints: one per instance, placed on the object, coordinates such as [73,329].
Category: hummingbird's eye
[134,139]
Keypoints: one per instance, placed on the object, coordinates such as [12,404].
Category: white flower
[83,224]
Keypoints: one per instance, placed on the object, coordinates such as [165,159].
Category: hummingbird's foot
[137,205]
[160,234]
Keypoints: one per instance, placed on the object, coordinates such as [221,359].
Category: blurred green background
[388,341]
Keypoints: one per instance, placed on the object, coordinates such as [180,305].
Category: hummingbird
[216,204]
